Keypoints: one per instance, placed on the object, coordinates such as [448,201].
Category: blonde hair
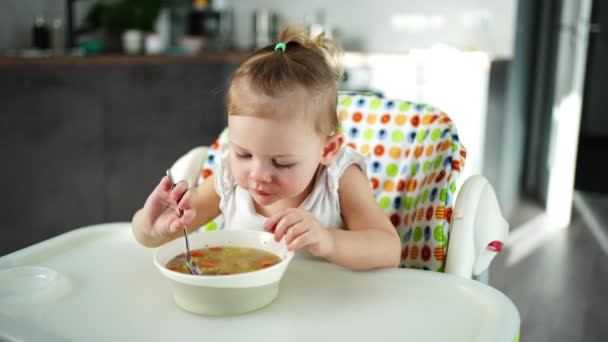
[314,64]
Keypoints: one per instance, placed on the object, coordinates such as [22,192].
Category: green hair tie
[280,46]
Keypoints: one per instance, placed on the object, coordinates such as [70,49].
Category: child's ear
[331,147]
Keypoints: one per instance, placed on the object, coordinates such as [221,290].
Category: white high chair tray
[97,283]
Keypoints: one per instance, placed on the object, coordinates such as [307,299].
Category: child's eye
[243,156]
[282,166]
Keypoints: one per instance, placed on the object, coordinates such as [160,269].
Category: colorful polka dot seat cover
[414,159]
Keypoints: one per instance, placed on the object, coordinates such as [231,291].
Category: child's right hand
[159,220]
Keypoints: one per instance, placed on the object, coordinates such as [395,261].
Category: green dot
[425,196]
[418,234]
[426,166]
[414,170]
[454,147]
[416,201]
[407,204]
[453,187]
[438,233]
[421,135]
[443,195]
[346,102]
[415,267]
[437,162]
[398,136]
[341,129]
[392,170]
[436,134]
[384,202]
[375,104]
[210,226]
[440,269]
[405,106]
[368,134]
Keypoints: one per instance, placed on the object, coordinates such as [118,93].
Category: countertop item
[124,297]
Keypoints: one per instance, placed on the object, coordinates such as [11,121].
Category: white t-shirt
[237,206]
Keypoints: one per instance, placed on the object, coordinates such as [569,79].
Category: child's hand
[301,229]
[162,209]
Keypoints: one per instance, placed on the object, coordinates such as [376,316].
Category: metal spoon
[189,263]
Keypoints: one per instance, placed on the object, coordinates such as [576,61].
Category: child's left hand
[301,229]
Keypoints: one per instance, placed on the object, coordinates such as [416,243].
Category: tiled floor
[558,279]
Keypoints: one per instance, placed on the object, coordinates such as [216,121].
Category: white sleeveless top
[323,202]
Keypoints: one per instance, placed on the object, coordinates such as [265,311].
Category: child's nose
[260,173]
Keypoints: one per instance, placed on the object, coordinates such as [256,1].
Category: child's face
[273,155]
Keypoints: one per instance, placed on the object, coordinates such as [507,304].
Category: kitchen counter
[121,59]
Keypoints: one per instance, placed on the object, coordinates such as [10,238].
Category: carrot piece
[197,253]
[216,249]
[172,268]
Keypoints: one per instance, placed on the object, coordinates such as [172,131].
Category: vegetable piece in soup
[225,260]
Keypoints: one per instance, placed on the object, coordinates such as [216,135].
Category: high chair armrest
[478,229]
[188,166]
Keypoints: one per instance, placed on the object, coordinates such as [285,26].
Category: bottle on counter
[41,37]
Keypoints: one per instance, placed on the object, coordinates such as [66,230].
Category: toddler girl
[285,169]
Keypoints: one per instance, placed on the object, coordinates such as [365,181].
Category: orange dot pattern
[415,158]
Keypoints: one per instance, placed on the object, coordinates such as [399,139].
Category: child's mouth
[261,193]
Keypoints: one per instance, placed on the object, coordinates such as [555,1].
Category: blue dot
[353,132]
[455,137]
[445,132]
[404,169]
[376,167]
[361,102]
[411,137]
[427,233]
[211,159]
[426,268]
[433,195]
[447,161]
[420,107]
[390,105]
[397,203]
[408,235]
[382,134]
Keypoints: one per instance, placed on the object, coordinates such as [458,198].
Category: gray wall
[17,17]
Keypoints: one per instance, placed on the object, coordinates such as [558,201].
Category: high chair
[414,160]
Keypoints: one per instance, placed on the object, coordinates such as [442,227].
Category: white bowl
[224,294]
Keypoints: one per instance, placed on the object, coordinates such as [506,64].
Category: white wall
[362,25]
[395,25]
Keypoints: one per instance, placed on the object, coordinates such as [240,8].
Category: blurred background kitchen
[98,98]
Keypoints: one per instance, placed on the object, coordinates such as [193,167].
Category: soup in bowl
[241,270]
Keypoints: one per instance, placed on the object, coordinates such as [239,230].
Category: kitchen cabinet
[85,143]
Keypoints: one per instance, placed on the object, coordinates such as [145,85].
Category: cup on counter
[153,44]
[131,41]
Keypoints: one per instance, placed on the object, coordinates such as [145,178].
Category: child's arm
[370,240]
[158,221]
